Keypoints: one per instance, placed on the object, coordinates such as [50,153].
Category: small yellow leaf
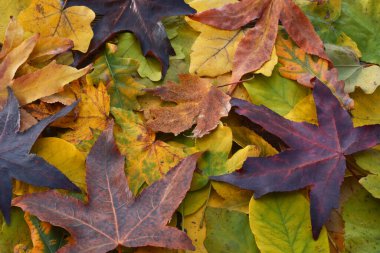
[368,79]
[304,111]
[345,40]
[196,229]
[49,18]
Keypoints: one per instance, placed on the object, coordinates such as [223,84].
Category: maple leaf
[315,158]
[142,17]
[113,216]
[198,102]
[15,160]
[256,47]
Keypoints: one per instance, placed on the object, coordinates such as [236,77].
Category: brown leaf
[112,215]
[198,102]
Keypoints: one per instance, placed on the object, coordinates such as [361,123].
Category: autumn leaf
[142,17]
[50,18]
[316,156]
[101,222]
[256,47]
[8,9]
[17,163]
[299,66]
[149,158]
[198,102]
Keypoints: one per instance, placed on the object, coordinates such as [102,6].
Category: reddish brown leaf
[315,158]
[198,102]
[112,215]
[256,47]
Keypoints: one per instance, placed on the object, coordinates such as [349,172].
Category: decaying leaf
[112,215]
[51,18]
[198,102]
[15,160]
[142,17]
[315,158]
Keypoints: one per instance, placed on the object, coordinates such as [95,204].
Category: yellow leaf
[148,158]
[91,113]
[14,36]
[304,111]
[281,223]
[45,82]
[64,156]
[268,67]
[368,79]
[10,8]
[49,18]
[366,111]
[214,49]
[345,40]
[196,229]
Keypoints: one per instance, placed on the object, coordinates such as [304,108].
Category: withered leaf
[15,160]
[198,102]
[256,47]
[315,158]
[112,215]
[142,17]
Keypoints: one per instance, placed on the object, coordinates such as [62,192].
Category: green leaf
[228,231]
[275,92]
[369,160]
[281,223]
[16,233]
[115,67]
[361,214]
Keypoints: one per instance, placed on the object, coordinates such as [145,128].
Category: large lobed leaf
[112,215]
[315,157]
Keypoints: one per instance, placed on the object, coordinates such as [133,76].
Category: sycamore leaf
[112,215]
[228,230]
[50,18]
[198,102]
[9,9]
[257,45]
[281,223]
[45,237]
[361,216]
[315,158]
[149,159]
[15,160]
[299,66]
[142,17]
[115,68]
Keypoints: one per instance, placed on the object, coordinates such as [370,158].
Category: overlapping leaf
[315,158]
[15,160]
[112,215]
[142,17]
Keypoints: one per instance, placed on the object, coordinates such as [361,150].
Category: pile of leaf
[189,126]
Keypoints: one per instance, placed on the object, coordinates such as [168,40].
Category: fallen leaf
[17,163]
[228,230]
[8,9]
[298,65]
[316,156]
[142,17]
[102,223]
[361,215]
[45,237]
[116,69]
[15,233]
[50,18]
[257,45]
[149,158]
[198,102]
[287,218]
